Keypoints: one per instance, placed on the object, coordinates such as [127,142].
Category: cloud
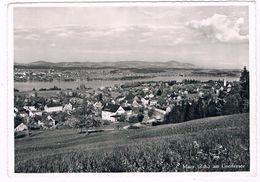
[52,45]
[220,28]
[63,34]
[26,34]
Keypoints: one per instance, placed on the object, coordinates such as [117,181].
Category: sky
[207,36]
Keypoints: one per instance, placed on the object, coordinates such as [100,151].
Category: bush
[106,122]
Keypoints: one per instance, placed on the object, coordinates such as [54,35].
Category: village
[136,103]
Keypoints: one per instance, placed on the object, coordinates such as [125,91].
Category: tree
[133,119]
[244,82]
[140,117]
[232,104]
[159,92]
[61,117]
[122,118]
[211,108]
[151,112]
[85,122]
[100,97]
[16,90]
[17,120]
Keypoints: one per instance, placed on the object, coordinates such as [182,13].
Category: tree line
[236,101]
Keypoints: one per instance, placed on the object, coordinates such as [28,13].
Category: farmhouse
[109,111]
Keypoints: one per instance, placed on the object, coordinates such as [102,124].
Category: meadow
[208,144]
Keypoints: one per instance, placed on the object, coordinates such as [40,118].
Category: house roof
[127,108]
[110,107]
[37,111]
[54,105]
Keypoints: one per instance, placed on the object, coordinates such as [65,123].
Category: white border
[7,87]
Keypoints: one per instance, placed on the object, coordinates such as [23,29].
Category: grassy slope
[230,131]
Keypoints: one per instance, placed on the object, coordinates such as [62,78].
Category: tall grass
[212,150]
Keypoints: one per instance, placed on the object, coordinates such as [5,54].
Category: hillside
[119,64]
[225,138]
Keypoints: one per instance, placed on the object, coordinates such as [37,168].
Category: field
[209,144]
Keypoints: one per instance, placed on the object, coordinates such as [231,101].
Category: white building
[52,121]
[153,102]
[110,112]
[67,107]
[53,109]
[21,127]
[35,113]
[98,105]
[23,114]
[224,82]
[145,101]
[135,103]
[229,88]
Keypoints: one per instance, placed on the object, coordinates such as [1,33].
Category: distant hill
[119,64]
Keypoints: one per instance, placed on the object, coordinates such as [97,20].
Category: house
[179,97]
[168,109]
[67,107]
[23,114]
[153,102]
[229,88]
[145,101]
[21,127]
[120,98]
[161,111]
[217,92]
[201,94]
[109,111]
[53,108]
[29,108]
[16,110]
[151,96]
[35,113]
[136,103]
[98,105]
[51,120]
[76,100]
[128,110]
[40,123]
[146,89]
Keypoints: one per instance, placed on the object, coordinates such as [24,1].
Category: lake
[28,86]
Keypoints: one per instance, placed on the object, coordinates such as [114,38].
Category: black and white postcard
[132,87]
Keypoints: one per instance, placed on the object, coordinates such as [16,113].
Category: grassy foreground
[209,144]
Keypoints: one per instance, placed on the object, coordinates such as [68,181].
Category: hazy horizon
[208,36]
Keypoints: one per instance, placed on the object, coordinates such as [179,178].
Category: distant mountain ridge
[119,64]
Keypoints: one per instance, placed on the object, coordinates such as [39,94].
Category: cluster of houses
[32,111]
[110,103]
